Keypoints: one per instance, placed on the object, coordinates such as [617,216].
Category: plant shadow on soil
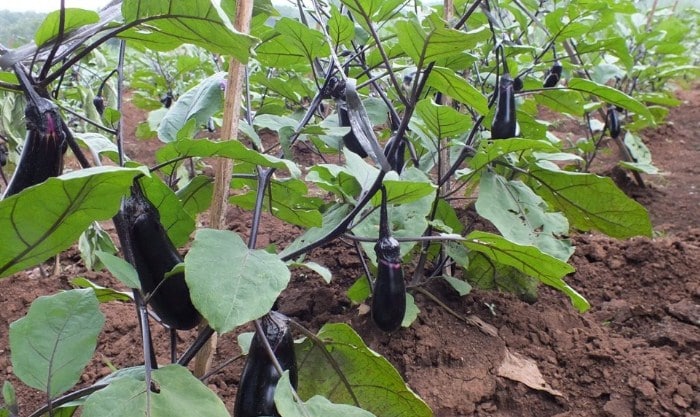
[635,353]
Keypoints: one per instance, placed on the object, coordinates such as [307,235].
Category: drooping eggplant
[504,124]
[256,390]
[389,292]
[349,140]
[99,103]
[148,248]
[517,84]
[167,99]
[613,123]
[3,154]
[42,153]
[552,77]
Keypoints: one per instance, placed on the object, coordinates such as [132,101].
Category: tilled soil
[635,353]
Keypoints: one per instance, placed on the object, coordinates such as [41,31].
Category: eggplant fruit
[256,390]
[504,124]
[148,248]
[42,153]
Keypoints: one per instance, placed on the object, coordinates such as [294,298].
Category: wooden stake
[223,167]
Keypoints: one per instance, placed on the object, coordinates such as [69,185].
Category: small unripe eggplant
[256,390]
[613,123]
[349,140]
[504,124]
[99,103]
[148,248]
[389,294]
[42,154]
[167,100]
[551,78]
[335,88]
[3,154]
[517,84]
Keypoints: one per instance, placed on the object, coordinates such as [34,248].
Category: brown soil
[635,353]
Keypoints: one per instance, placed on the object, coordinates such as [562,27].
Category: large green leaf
[120,269]
[196,195]
[412,186]
[163,25]
[491,150]
[640,153]
[522,216]
[231,149]
[443,121]
[446,81]
[376,384]
[440,43]
[310,41]
[178,393]
[562,101]
[229,283]
[591,202]
[528,260]
[199,103]
[286,199]
[612,96]
[45,219]
[340,28]
[316,406]
[74,18]
[331,218]
[483,273]
[377,10]
[54,342]
[294,43]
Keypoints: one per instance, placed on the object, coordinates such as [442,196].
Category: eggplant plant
[417,112]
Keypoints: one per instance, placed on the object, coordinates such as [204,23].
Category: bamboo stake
[223,167]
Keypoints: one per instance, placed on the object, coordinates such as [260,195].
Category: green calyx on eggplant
[148,248]
[504,122]
[256,389]
[43,149]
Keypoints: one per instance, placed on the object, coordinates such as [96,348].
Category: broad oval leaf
[491,150]
[196,195]
[45,219]
[199,103]
[231,149]
[376,383]
[229,283]
[443,121]
[74,18]
[120,269]
[179,394]
[446,81]
[612,96]
[316,406]
[591,202]
[522,216]
[171,23]
[54,342]
[528,260]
